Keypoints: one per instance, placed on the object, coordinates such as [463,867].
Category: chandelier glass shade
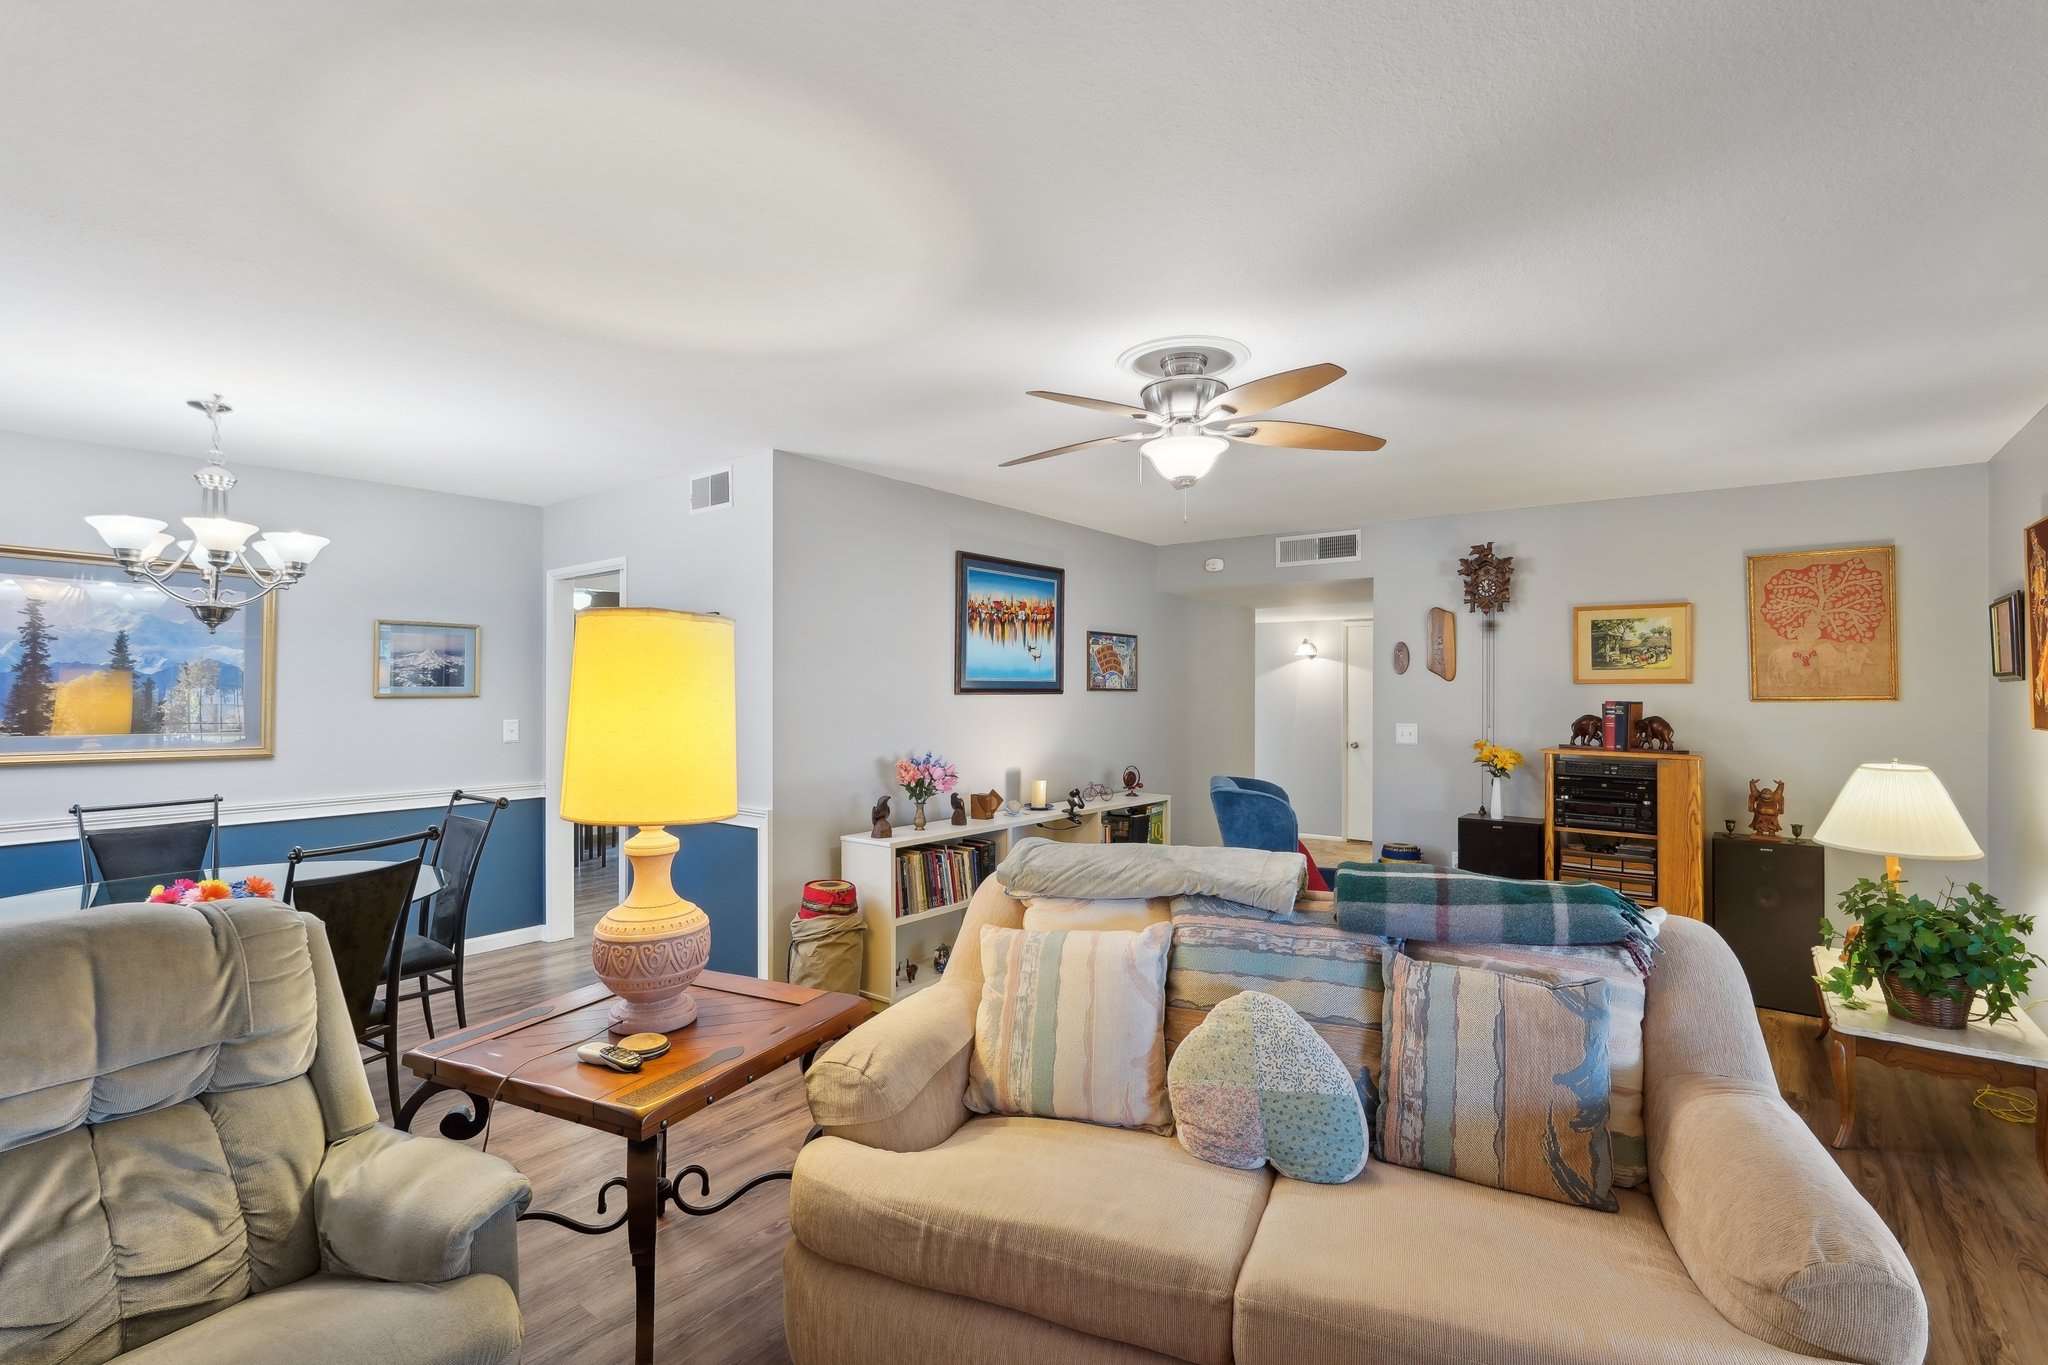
[220,554]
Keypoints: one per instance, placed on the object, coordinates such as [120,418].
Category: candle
[1038,791]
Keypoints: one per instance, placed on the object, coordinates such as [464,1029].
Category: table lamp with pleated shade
[650,742]
[1897,810]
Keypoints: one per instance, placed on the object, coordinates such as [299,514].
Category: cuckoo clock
[1487,579]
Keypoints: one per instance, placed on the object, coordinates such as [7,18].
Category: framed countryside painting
[425,659]
[2009,636]
[1009,619]
[1824,625]
[1636,642]
[1112,661]
[2035,646]
[96,668]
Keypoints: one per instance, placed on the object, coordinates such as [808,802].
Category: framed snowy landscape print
[425,659]
[96,668]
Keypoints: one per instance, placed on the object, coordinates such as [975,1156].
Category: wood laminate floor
[1330,852]
[1961,1190]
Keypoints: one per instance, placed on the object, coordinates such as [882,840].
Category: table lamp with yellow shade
[1897,810]
[650,742]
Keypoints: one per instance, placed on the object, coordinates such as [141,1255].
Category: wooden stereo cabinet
[1632,819]
[1509,847]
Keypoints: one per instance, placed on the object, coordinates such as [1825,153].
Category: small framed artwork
[1112,661]
[2009,636]
[2034,642]
[1634,642]
[422,659]
[1824,625]
[1009,622]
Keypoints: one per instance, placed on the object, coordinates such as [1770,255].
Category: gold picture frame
[1632,642]
[1824,624]
[394,640]
[98,599]
[2035,594]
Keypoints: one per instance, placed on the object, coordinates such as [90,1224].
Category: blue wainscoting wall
[717,868]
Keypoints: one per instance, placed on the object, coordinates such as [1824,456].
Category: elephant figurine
[1651,732]
[1586,730]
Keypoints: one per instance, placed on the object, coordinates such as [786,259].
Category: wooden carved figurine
[1651,732]
[880,815]
[1764,809]
[1443,644]
[959,810]
[1586,730]
[1075,805]
[986,804]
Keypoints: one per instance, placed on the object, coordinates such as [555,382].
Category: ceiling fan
[1194,415]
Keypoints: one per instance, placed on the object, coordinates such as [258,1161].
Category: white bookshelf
[870,864]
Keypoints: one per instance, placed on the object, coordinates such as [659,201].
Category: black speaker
[1768,899]
[1508,847]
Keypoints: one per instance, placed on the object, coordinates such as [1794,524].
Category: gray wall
[2018,777]
[396,552]
[863,626]
[1298,719]
[1678,547]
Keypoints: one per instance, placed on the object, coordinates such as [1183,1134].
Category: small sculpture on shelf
[1730,826]
[1075,805]
[1134,782]
[941,955]
[1586,730]
[959,810]
[1097,791]
[1652,732]
[986,804]
[880,816]
[1798,833]
[1764,809]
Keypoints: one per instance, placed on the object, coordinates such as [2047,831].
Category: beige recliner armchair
[191,1167]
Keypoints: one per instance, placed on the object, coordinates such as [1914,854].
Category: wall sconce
[1306,649]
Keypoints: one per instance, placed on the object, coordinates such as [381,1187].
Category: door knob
[1354,744]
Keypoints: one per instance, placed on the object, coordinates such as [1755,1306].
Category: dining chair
[433,956]
[365,913]
[149,850]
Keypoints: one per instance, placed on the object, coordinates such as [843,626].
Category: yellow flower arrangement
[1497,759]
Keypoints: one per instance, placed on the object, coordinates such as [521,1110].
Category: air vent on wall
[1316,547]
[711,490]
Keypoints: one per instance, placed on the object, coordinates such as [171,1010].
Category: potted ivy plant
[1931,959]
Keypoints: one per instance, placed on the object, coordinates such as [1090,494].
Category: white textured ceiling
[1566,250]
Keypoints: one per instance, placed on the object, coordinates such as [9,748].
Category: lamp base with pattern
[650,948]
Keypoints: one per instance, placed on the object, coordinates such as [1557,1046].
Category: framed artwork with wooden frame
[2009,636]
[2036,645]
[1824,625]
[97,668]
[1009,625]
[1632,642]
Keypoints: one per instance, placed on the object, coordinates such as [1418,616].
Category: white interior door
[1358,730]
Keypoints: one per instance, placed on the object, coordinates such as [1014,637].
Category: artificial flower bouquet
[185,891]
[925,777]
[1497,759]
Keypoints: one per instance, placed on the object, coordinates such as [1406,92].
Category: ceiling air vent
[1316,547]
[711,490]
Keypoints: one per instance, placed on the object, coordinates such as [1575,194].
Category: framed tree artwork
[1824,625]
[1009,621]
[97,668]
[2009,637]
[2036,645]
[1637,642]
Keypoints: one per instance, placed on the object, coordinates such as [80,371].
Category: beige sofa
[191,1168]
[923,1234]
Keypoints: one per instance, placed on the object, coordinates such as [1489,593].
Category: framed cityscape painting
[1009,622]
[1824,625]
[425,659]
[2009,636]
[1642,642]
[2036,642]
[1112,661]
[97,668]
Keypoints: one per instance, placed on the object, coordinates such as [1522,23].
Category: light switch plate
[511,732]
[1407,732]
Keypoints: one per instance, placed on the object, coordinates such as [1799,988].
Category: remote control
[605,1054]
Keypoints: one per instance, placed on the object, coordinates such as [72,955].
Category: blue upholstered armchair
[1254,813]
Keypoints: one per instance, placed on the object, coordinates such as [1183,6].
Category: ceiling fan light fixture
[1182,459]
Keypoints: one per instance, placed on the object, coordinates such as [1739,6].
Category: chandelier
[219,546]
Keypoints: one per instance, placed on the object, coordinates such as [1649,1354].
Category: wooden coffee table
[2012,1052]
[745,1029]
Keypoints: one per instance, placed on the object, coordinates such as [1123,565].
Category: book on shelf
[1618,723]
[930,876]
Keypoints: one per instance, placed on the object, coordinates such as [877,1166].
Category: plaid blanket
[1464,907]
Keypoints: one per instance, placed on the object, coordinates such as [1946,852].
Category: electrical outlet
[511,732]
[1407,732]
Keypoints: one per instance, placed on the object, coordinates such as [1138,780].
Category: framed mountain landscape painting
[96,668]
[425,659]
[1824,625]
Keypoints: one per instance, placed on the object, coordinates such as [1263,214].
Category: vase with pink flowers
[923,777]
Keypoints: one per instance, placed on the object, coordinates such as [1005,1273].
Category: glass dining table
[62,900]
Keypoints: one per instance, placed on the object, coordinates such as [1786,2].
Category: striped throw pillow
[1499,1080]
[1069,1026]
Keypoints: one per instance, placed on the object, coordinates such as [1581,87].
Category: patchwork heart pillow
[1254,1083]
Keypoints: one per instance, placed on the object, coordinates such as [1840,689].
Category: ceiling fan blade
[1301,436]
[1263,395]
[1078,445]
[1130,410]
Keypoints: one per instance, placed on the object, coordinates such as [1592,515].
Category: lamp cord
[2006,1104]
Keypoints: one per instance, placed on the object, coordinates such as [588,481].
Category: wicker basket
[1935,1011]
